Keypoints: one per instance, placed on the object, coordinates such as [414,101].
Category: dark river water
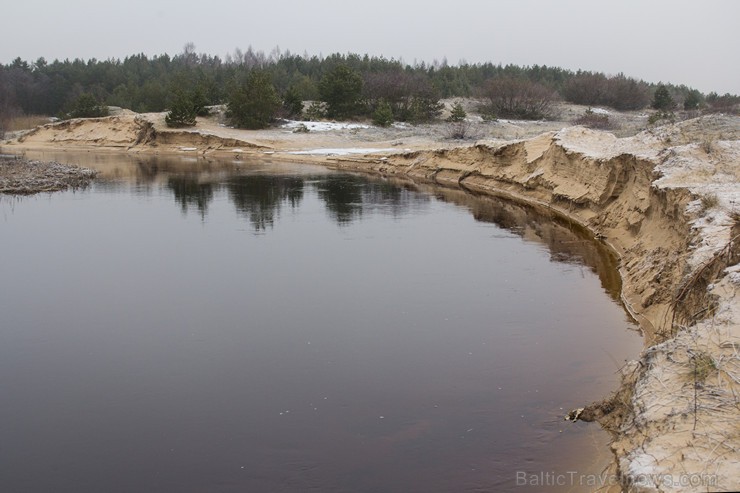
[185,326]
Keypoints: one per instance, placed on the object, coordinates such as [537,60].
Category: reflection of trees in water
[348,197]
[189,191]
[147,170]
[260,197]
[567,242]
[342,196]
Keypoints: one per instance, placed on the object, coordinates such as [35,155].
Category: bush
[292,103]
[422,109]
[458,113]
[594,120]
[254,102]
[512,97]
[182,113]
[383,114]
[661,116]
[619,92]
[412,97]
[709,201]
[341,89]
[461,130]
[87,106]
[728,103]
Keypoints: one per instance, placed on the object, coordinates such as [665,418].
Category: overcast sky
[680,41]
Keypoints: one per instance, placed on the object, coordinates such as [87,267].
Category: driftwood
[20,176]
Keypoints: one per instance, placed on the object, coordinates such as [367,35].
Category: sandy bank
[665,200]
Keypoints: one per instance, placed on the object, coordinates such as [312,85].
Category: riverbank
[664,200]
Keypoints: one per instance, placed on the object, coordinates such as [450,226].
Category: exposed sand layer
[664,200]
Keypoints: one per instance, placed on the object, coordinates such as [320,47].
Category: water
[193,326]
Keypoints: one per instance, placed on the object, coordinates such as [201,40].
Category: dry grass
[709,201]
[707,145]
[25,122]
[704,366]
[23,177]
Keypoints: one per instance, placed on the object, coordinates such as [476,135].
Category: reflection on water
[373,336]
[566,241]
[259,198]
[189,191]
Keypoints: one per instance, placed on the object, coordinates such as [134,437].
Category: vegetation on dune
[343,86]
[182,113]
[252,102]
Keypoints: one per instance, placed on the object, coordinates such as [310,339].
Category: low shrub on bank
[595,120]
[514,97]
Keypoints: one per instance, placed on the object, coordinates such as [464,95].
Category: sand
[663,199]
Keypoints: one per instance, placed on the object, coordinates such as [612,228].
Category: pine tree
[253,103]
[293,103]
[87,106]
[182,113]
[458,113]
[383,115]
[693,100]
[341,89]
[662,99]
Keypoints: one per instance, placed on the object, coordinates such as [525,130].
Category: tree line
[258,87]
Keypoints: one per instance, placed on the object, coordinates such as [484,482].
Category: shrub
[587,89]
[594,120]
[659,116]
[707,145]
[411,97]
[727,103]
[618,92]
[709,201]
[87,106]
[512,97]
[458,113]
[460,130]
[292,103]
[182,113]
[383,114]
[423,109]
[254,102]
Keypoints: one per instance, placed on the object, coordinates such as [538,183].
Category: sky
[679,41]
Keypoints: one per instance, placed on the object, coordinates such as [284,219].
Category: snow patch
[322,126]
[344,151]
